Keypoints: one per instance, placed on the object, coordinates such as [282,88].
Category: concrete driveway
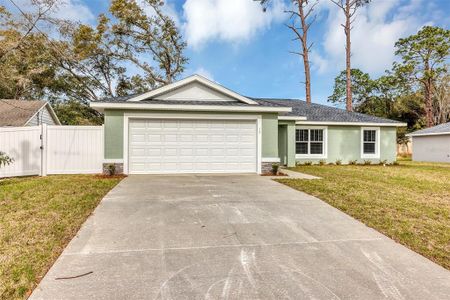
[232,237]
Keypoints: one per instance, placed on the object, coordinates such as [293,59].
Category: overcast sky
[243,48]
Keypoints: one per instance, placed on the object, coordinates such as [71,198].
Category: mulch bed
[271,174]
[110,176]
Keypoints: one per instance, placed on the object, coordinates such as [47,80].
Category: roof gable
[18,113]
[193,88]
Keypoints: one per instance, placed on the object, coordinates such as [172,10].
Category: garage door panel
[186,152]
[190,146]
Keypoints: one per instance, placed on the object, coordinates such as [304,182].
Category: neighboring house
[195,125]
[18,113]
[432,144]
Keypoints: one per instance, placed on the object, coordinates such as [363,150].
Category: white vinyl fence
[45,149]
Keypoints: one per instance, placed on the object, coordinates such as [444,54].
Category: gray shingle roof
[124,99]
[322,113]
[438,129]
[18,112]
[119,99]
[313,112]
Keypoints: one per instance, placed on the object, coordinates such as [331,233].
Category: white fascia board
[351,123]
[52,112]
[426,134]
[190,79]
[100,106]
[291,118]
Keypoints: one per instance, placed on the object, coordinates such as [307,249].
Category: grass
[410,202]
[38,217]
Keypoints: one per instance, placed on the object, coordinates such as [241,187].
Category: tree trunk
[428,96]
[347,29]
[305,55]
[429,103]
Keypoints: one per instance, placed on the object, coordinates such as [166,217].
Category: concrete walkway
[232,237]
[297,175]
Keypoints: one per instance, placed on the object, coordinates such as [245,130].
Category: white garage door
[192,146]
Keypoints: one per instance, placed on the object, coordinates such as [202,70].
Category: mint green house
[197,126]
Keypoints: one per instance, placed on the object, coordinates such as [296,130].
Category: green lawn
[38,217]
[409,203]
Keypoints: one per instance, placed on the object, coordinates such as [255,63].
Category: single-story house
[198,126]
[18,113]
[432,144]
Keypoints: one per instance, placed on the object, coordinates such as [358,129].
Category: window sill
[371,156]
[310,156]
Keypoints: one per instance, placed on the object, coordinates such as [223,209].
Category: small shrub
[338,162]
[5,159]
[367,162]
[111,169]
[308,163]
[352,162]
[383,162]
[322,162]
[275,168]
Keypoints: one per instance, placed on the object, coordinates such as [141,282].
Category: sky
[237,44]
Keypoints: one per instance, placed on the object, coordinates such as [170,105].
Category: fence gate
[45,149]
[24,145]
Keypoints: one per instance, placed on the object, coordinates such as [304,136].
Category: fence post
[43,149]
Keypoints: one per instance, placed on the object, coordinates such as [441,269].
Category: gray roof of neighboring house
[313,112]
[18,112]
[438,129]
[322,113]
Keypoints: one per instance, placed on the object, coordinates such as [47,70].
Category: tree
[156,36]
[27,68]
[349,7]
[95,58]
[5,159]
[441,103]
[363,87]
[28,71]
[388,96]
[86,63]
[423,61]
[74,112]
[301,21]
[7,21]
[304,9]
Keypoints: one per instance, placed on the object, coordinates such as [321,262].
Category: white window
[370,142]
[310,142]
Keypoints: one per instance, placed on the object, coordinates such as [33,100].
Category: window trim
[377,143]
[325,142]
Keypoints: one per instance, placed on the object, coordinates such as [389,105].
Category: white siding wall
[66,150]
[434,148]
[43,117]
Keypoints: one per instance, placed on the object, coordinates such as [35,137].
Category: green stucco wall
[286,142]
[269,137]
[114,132]
[344,143]
[282,144]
